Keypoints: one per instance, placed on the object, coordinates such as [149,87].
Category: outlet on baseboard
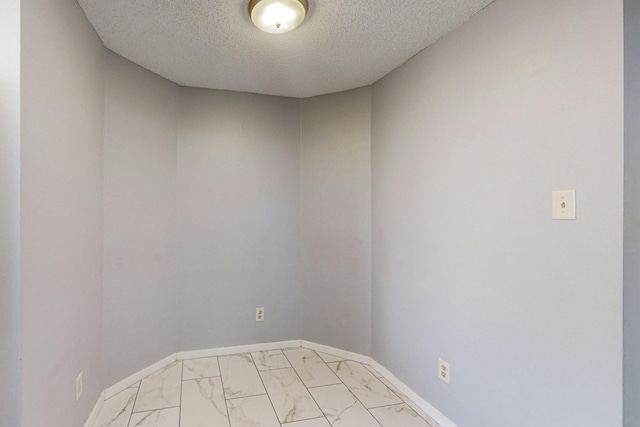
[444,371]
[260,314]
[79,386]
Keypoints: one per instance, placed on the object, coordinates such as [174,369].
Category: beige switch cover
[563,204]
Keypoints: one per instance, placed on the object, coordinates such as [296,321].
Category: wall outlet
[79,386]
[260,314]
[444,371]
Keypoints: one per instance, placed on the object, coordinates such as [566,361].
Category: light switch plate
[563,204]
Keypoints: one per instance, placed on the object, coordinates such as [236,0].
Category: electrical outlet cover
[444,371]
[79,386]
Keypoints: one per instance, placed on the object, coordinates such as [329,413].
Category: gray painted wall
[10,213]
[469,138]
[139,290]
[61,207]
[238,220]
[632,215]
[335,209]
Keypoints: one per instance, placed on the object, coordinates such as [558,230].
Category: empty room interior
[416,213]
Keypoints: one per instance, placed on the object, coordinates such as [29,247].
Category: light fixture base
[278,16]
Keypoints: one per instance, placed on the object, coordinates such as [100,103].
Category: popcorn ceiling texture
[343,44]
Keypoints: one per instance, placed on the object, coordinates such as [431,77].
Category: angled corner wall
[139,303]
[335,211]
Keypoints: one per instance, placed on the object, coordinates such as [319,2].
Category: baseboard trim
[194,354]
[412,395]
[335,351]
[223,351]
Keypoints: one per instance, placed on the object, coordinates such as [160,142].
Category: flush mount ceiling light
[277,16]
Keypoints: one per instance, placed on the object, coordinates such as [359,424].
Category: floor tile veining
[240,376]
[160,390]
[368,389]
[292,388]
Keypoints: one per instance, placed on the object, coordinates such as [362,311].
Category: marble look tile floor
[295,387]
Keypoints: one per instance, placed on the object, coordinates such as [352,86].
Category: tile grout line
[224,397]
[270,369]
[181,380]
[157,409]
[354,395]
[304,421]
[348,389]
[134,403]
[251,395]
[201,378]
[402,401]
[307,388]
[330,385]
[400,396]
[265,389]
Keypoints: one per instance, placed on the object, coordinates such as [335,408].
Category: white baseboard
[413,396]
[96,410]
[195,354]
[132,379]
[223,351]
[335,352]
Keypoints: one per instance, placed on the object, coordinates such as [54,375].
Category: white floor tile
[312,370]
[252,412]
[116,410]
[203,403]
[328,358]
[341,407]
[161,389]
[410,403]
[292,388]
[367,388]
[270,360]
[158,418]
[398,415]
[373,371]
[290,398]
[200,368]
[239,376]
[318,422]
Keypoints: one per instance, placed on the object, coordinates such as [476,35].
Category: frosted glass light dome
[277,16]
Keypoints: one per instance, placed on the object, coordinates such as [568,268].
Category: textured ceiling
[342,44]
